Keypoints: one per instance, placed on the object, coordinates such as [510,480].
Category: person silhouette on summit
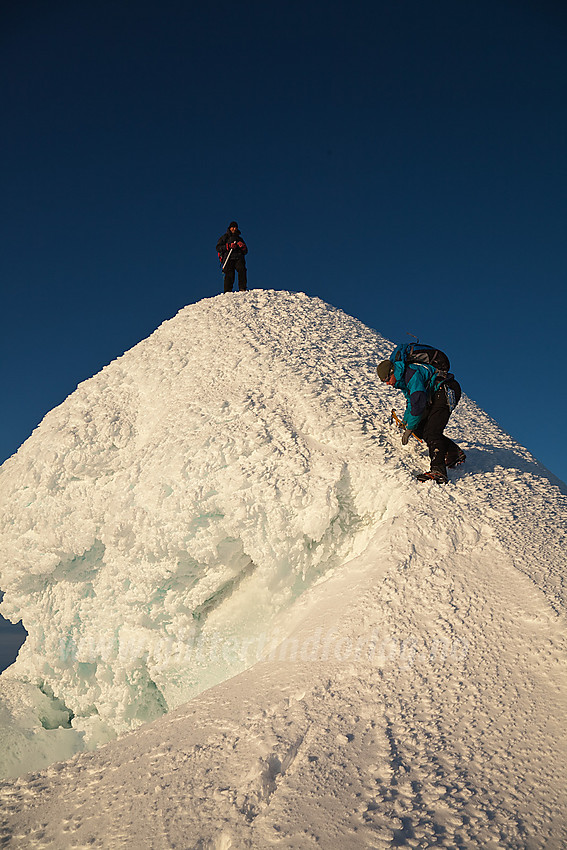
[232,249]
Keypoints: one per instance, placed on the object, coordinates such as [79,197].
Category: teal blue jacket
[418,383]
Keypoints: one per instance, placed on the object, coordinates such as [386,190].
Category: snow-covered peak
[177,503]
[231,486]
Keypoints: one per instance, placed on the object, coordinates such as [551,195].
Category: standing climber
[232,249]
[431,396]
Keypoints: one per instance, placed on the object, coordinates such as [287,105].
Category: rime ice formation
[220,533]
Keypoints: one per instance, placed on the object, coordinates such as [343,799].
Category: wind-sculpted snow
[221,527]
[158,523]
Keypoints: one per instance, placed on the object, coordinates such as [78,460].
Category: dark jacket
[235,241]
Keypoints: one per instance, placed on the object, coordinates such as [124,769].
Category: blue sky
[403,160]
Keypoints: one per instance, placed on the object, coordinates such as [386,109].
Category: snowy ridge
[228,498]
[193,488]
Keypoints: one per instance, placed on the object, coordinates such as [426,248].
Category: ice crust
[160,522]
[222,532]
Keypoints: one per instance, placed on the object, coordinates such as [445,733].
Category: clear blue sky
[404,160]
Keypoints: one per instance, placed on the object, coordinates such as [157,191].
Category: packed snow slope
[220,533]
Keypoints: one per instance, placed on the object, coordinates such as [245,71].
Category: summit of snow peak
[227,501]
[186,494]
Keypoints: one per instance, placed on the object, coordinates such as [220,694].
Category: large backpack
[417,352]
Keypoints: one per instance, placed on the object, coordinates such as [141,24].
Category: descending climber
[431,396]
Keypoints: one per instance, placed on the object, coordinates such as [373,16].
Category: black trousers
[433,424]
[229,273]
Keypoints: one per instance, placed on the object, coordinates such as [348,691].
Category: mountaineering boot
[452,460]
[433,475]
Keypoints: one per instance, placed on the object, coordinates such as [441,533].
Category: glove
[406,435]
[240,244]
[232,245]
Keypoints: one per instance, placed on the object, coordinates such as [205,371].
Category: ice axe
[395,418]
[227,259]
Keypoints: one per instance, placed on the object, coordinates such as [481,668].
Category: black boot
[433,475]
[437,458]
[453,459]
